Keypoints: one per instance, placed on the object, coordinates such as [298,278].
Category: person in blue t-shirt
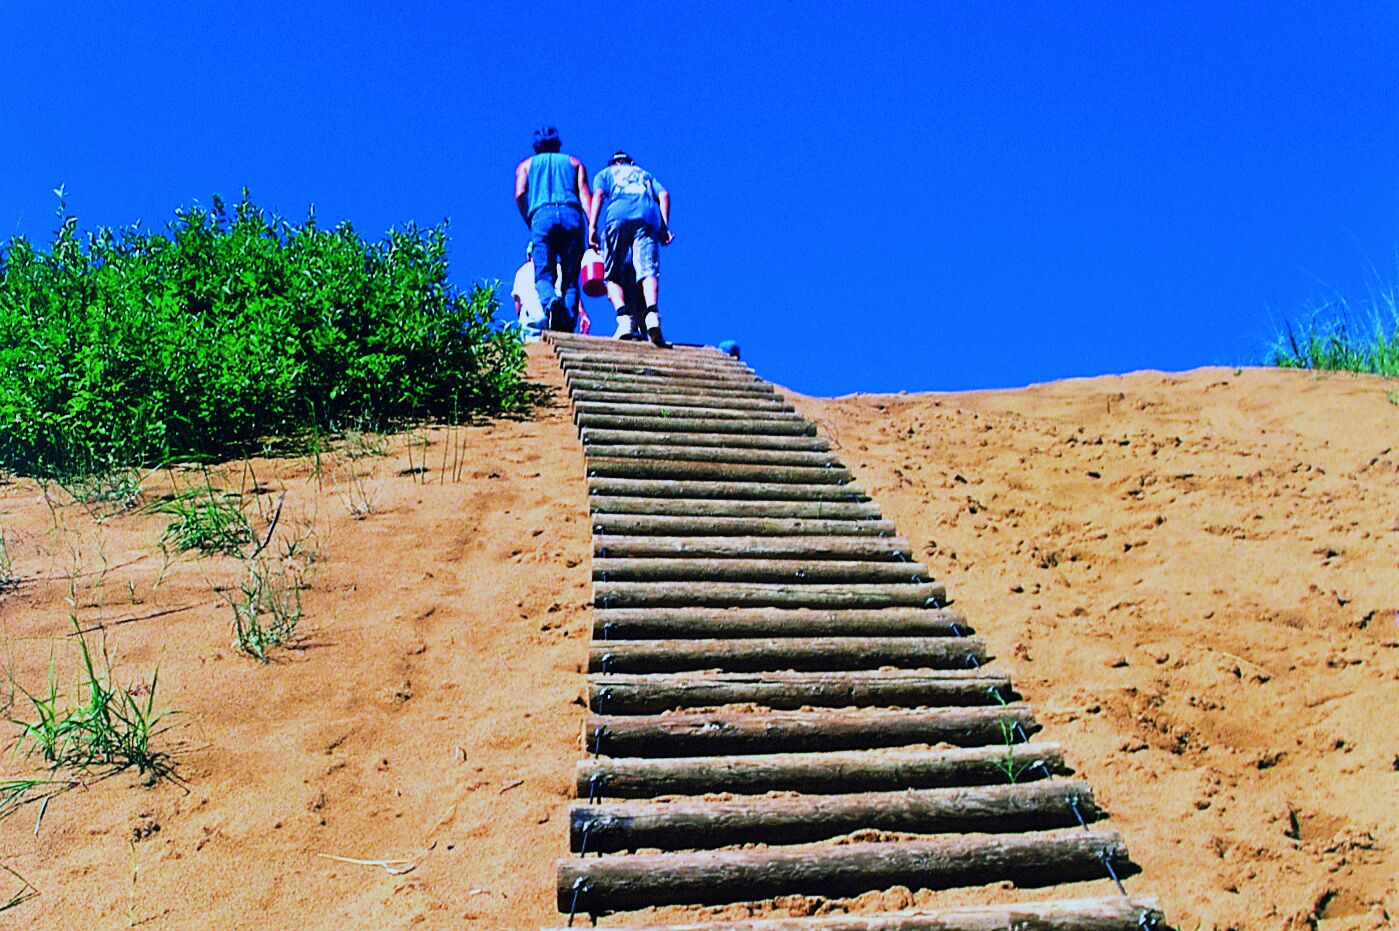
[635,210]
[551,190]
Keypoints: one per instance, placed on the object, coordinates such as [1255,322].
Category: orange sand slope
[1207,625]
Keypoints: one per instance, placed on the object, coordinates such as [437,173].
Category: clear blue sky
[867,196]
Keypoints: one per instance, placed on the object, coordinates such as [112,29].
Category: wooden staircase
[772,670]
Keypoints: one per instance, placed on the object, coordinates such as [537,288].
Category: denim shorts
[631,242]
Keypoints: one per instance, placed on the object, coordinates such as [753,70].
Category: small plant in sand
[103,724]
[26,891]
[8,579]
[267,607]
[103,491]
[207,521]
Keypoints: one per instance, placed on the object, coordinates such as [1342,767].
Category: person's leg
[616,244]
[646,256]
[544,252]
[571,248]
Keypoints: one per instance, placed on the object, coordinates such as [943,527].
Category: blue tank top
[553,181]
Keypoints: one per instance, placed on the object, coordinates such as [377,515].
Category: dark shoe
[657,339]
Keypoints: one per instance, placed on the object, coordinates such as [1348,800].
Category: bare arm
[663,200]
[522,189]
[593,210]
[584,197]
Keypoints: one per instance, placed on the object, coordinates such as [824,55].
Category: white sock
[623,326]
[653,321]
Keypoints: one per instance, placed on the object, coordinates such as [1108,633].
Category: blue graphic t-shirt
[632,194]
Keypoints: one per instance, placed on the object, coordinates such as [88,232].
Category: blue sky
[867,196]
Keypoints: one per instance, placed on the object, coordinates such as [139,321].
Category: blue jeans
[557,239]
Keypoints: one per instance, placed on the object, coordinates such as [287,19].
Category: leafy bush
[126,346]
[1339,337]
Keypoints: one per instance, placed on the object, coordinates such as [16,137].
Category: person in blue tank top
[635,210]
[551,190]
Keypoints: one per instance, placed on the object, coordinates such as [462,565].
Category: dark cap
[619,156]
[546,138]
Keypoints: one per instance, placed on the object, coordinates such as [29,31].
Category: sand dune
[1193,576]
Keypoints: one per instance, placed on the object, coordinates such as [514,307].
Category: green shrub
[126,346]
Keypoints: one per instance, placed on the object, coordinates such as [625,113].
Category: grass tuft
[267,608]
[1339,336]
[108,725]
[207,521]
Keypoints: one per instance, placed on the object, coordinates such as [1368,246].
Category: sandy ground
[1193,577]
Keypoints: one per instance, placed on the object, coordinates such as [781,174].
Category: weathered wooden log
[699,507]
[796,653]
[571,358]
[766,595]
[797,571]
[743,427]
[1117,913]
[559,339]
[645,386]
[818,773]
[721,455]
[687,824]
[688,733]
[870,549]
[727,491]
[607,466]
[674,376]
[596,440]
[653,694]
[698,399]
[751,526]
[659,408]
[716,877]
[721,623]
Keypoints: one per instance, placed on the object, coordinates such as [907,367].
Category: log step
[640,375]
[640,347]
[812,547]
[796,571]
[594,438]
[663,524]
[786,653]
[689,733]
[641,407]
[620,467]
[690,824]
[653,694]
[818,773]
[743,427]
[697,399]
[1117,913]
[679,365]
[700,507]
[724,491]
[717,877]
[715,623]
[647,386]
[767,595]
[721,454]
